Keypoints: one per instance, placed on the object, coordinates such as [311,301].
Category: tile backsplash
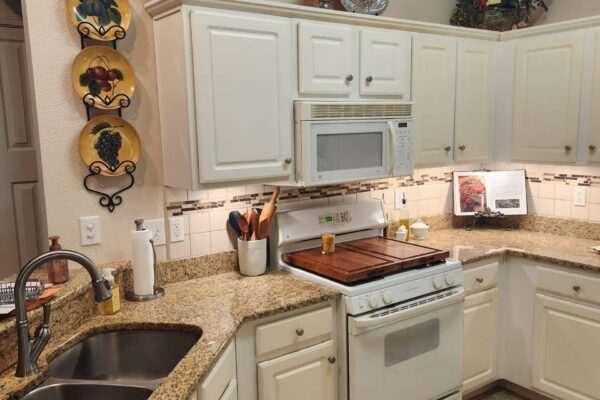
[550,190]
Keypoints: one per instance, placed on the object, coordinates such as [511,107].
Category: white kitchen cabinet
[221,382]
[242,85]
[473,100]
[566,349]
[480,365]
[327,65]
[342,61]
[310,373]
[385,63]
[594,135]
[547,89]
[433,91]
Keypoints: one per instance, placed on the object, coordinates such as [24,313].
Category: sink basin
[124,356]
[69,391]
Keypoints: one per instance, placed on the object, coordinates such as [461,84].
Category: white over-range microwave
[342,141]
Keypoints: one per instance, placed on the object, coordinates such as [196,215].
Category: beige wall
[562,10]
[53,44]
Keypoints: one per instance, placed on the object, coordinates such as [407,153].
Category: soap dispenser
[112,305]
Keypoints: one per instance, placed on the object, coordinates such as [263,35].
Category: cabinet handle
[299,331]
[288,161]
[479,280]
[462,147]
[577,288]
[568,148]
[592,147]
[448,148]
[369,79]
[349,78]
[332,360]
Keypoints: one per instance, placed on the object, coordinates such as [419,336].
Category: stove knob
[450,280]
[387,297]
[437,282]
[374,301]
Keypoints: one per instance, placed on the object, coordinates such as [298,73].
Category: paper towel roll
[143,262]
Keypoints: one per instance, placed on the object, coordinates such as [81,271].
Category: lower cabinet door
[306,374]
[566,349]
[231,391]
[480,365]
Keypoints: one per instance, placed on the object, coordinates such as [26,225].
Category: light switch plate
[398,200]
[579,196]
[89,230]
[157,226]
[176,229]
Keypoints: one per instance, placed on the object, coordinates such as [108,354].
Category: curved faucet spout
[30,349]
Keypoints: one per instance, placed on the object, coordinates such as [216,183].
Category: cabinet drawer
[296,332]
[577,286]
[481,278]
[222,376]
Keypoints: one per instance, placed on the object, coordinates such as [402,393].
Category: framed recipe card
[496,191]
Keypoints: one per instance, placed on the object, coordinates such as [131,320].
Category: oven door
[347,150]
[412,350]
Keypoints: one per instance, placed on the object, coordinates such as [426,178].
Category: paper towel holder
[158,291]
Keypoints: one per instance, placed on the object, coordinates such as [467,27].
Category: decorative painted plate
[103,78]
[100,19]
[109,142]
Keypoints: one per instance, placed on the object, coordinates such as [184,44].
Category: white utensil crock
[252,256]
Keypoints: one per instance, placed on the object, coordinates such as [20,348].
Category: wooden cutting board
[365,259]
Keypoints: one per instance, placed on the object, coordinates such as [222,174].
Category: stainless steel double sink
[118,365]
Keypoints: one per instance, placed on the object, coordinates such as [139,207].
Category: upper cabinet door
[326,61]
[473,100]
[385,63]
[434,79]
[594,137]
[242,81]
[546,103]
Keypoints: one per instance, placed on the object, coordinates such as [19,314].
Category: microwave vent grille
[331,111]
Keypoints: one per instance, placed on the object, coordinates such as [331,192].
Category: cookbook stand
[487,214]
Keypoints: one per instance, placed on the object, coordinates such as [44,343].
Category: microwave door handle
[392,144]
[358,325]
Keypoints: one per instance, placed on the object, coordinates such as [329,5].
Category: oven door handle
[358,325]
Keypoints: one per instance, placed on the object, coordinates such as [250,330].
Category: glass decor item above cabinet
[375,7]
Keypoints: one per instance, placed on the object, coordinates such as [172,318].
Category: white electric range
[400,334]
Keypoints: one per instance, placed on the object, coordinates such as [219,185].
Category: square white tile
[562,208]
[594,213]
[581,213]
[218,220]
[544,206]
[595,195]
[198,195]
[200,244]
[546,190]
[180,249]
[217,194]
[220,241]
[199,222]
[563,192]
[173,195]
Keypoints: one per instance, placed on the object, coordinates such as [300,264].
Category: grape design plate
[100,19]
[111,140]
[103,78]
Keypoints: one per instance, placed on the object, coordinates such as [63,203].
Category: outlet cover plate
[176,229]
[398,199]
[89,230]
[579,196]
[157,226]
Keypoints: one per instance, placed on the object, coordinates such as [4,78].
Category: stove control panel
[335,218]
[402,292]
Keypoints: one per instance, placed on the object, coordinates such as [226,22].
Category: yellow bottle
[112,305]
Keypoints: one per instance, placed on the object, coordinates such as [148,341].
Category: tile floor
[501,395]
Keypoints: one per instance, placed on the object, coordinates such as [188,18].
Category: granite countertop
[217,305]
[482,243]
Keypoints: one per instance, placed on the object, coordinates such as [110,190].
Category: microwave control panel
[402,147]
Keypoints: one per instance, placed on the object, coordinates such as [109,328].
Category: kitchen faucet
[29,349]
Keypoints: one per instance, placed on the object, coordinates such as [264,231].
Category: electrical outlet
[579,196]
[399,196]
[89,230]
[157,226]
[176,229]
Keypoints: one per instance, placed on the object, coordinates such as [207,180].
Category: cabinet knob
[479,280]
[288,161]
[369,79]
[448,148]
[332,360]
[592,147]
[349,78]
[577,288]
[568,148]
[299,331]
[462,147]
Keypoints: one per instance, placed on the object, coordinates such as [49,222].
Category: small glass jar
[328,243]
[58,270]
